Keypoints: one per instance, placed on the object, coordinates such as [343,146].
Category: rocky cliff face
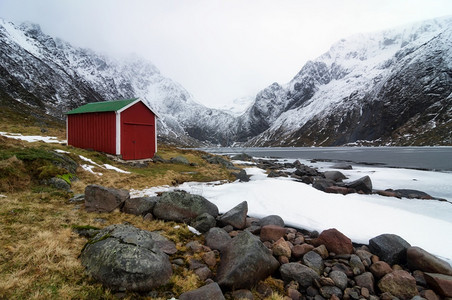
[392,87]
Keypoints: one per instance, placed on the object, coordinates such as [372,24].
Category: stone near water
[334,175]
[363,184]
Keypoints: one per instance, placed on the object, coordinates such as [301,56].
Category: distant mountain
[385,88]
[52,75]
[392,87]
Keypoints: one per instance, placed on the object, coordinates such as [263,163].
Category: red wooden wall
[95,131]
[138,132]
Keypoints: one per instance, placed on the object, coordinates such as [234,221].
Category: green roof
[101,106]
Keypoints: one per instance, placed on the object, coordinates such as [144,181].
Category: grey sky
[219,50]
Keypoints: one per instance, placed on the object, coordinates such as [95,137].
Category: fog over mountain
[390,87]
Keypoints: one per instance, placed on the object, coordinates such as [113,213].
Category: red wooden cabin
[127,128]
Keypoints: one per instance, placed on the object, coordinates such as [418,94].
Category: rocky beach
[242,257]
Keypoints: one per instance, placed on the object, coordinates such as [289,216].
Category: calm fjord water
[428,158]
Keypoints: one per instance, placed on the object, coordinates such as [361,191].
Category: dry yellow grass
[38,248]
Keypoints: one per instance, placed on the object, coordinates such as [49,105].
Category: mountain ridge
[352,77]
[390,87]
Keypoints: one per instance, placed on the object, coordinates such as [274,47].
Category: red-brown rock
[337,190]
[299,250]
[441,284]
[399,284]
[429,295]
[380,269]
[272,233]
[334,241]
[281,248]
[419,259]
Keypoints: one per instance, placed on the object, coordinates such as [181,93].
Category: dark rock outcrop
[102,199]
[125,258]
[183,207]
[139,206]
[363,185]
[236,217]
[244,262]
[390,248]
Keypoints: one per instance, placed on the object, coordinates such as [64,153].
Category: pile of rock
[240,252]
[332,181]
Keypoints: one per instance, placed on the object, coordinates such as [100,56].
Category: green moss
[67,177]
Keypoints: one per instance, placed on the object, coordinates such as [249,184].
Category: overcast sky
[219,50]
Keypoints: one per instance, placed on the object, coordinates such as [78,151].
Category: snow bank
[32,138]
[423,223]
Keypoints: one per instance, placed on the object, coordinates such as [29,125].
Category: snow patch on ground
[110,167]
[423,223]
[32,138]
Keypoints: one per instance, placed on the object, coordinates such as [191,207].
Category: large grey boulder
[125,258]
[183,207]
[334,175]
[390,248]
[363,184]
[217,239]
[302,274]
[103,199]
[210,291]
[271,220]
[204,222]
[139,206]
[236,217]
[244,262]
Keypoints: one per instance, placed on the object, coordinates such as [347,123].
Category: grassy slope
[38,248]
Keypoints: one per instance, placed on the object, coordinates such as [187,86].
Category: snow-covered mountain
[51,74]
[389,87]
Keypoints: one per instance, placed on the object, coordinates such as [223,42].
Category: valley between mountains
[384,88]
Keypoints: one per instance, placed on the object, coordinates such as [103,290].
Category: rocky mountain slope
[385,88]
[52,75]
[390,87]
